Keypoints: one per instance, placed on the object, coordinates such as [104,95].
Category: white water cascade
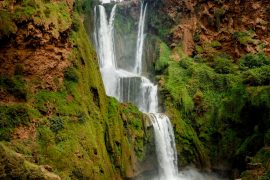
[140,41]
[133,87]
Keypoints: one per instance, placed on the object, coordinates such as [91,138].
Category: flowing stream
[132,86]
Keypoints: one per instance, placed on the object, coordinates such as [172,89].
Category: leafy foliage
[250,61]
[71,75]
[164,57]
[56,124]
[244,37]
[224,102]
[14,85]
[10,117]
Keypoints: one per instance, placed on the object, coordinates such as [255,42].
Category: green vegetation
[223,65]
[162,61]
[7,26]
[215,44]
[222,105]
[244,37]
[43,13]
[14,85]
[15,166]
[71,75]
[258,76]
[250,61]
[133,134]
[10,117]
[75,129]
[218,14]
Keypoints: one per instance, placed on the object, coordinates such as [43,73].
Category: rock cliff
[54,113]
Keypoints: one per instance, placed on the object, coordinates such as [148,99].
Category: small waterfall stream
[132,86]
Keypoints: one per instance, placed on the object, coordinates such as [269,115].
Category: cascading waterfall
[140,41]
[165,146]
[133,87]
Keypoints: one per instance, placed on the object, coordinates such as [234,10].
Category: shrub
[7,26]
[196,37]
[81,118]
[56,124]
[244,37]
[254,61]
[71,75]
[222,65]
[76,22]
[186,62]
[14,85]
[233,104]
[45,136]
[258,76]
[10,117]
[215,44]
[218,13]
[164,56]
[199,49]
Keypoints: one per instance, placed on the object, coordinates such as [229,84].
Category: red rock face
[41,57]
[218,21]
[39,50]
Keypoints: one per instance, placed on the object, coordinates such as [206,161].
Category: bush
[258,76]
[14,85]
[199,49]
[10,117]
[164,56]
[215,44]
[82,118]
[222,65]
[76,22]
[254,61]
[56,124]
[233,104]
[45,136]
[218,14]
[244,37]
[186,62]
[7,26]
[196,37]
[71,75]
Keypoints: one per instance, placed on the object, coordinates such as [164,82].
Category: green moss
[214,96]
[14,85]
[7,26]
[196,36]
[164,56]
[11,117]
[43,13]
[71,75]
[218,14]
[258,76]
[14,165]
[223,65]
[215,44]
[56,124]
[56,102]
[250,61]
[199,49]
[244,37]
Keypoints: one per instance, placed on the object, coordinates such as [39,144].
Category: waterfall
[133,87]
[106,40]
[140,41]
[165,146]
